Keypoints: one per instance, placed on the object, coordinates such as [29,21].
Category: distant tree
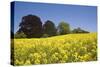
[20,35]
[31,26]
[63,28]
[45,35]
[49,28]
[79,30]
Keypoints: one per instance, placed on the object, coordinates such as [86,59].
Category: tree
[45,35]
[20,35]
[49,28]
[63,28]
[31,26]
[79,30]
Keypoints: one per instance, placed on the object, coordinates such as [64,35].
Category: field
[57,49]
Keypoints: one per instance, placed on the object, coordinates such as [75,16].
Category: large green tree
[31,26]
[49,28]
[63,28]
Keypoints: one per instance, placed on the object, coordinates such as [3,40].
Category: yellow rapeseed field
[57,49]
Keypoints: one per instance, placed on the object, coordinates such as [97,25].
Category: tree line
[31,26]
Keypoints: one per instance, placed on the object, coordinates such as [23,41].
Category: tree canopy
[49,28]
[79,30]
[31,26]
[63,28]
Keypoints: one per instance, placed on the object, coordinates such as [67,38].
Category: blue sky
[76,15]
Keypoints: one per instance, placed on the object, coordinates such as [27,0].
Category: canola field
[57,49]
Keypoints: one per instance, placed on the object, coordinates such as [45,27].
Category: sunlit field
[57,49]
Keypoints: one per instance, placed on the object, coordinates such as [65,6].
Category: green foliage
[79,30]
[31,25]
[20,35]
[45,36]
[49,28]
[63,28]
